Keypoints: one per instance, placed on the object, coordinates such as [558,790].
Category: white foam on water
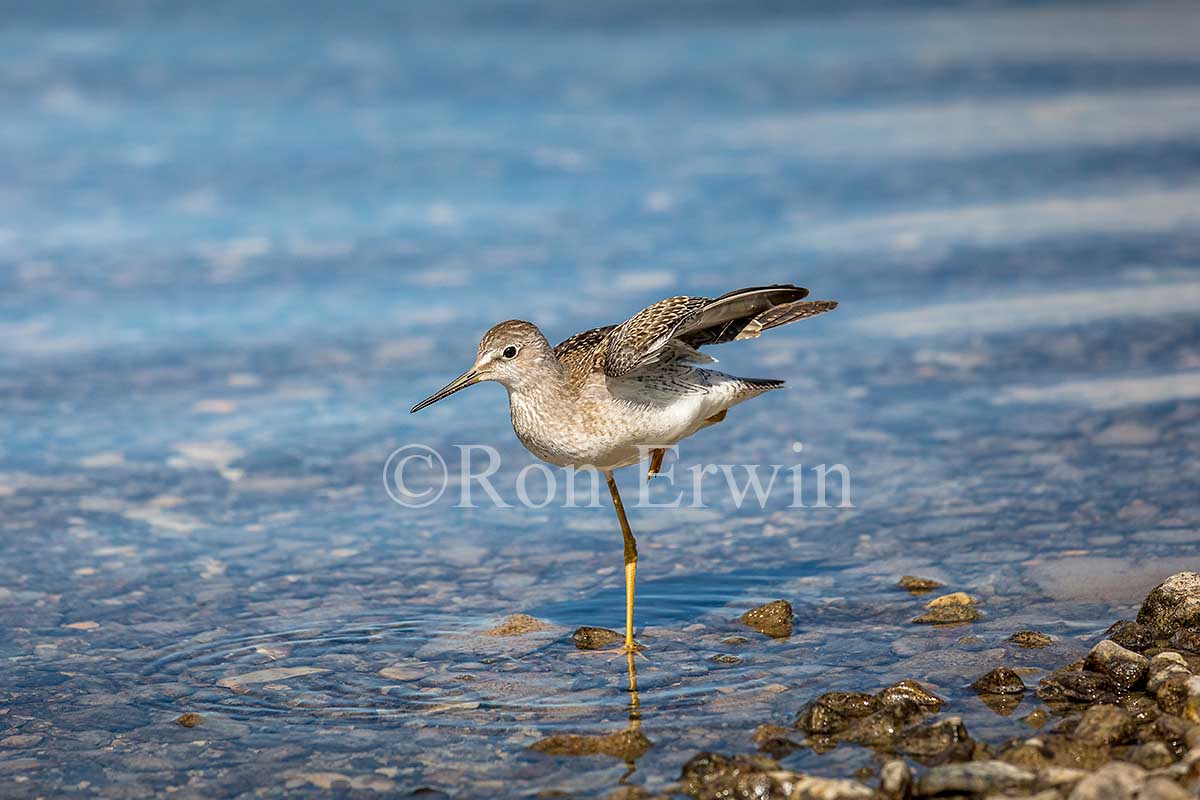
[977,127]
[1103,393]
[1131,209]
[1052,309]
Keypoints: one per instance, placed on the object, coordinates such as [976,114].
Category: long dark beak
[461,382]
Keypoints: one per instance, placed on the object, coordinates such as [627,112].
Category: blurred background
[239,240]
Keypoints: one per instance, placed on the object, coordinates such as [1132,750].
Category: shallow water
[238,245]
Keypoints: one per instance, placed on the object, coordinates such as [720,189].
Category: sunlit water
[238,245]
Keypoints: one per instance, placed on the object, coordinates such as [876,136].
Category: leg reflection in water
[628,745]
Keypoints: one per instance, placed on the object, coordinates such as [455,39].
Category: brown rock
[589,638]
[1001,680]
[1105,725]
[189,720]
[1132,635]
[1030,639]
[915,585]
[773,619]
[517,625]
[627,745]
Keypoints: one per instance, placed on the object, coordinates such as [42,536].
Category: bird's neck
[536,397]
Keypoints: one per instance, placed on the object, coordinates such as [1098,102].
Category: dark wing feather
[583,352]
[697,321]
[637,340]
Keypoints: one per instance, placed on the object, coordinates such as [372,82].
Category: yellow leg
[656,458]
[630,560]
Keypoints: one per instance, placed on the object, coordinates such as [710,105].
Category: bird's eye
[510,352]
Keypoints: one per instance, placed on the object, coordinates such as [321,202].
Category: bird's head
[513,353]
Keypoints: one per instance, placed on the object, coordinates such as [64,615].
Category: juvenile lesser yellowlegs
[606,397]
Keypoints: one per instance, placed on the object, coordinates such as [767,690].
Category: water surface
[237,245]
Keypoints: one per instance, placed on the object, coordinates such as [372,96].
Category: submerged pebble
[916,585]
[1030,639]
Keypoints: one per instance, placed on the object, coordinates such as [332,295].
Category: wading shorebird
[614,396]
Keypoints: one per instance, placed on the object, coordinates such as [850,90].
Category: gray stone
[1159,788]
[1114,781]
[975,777]
[1173,604]
[895,779]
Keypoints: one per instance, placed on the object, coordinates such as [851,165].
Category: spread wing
[675,327]
[583,352]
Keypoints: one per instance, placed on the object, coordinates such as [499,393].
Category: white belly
[616,423]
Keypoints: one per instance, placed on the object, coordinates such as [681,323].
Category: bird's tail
[765,384]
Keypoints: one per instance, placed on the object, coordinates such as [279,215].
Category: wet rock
[1030,639]
[942,742]
[1124,667]
[1172,693]
[832,711]
[725,659]
[1173,604]
[1163,666]
[909,690]
[773,619]
[878,721]
[517,625]
[1115,781]
[1105,725]
[885,727]
[1132,635]
[1186,639]
[589,638]
[189,720]
[1001,680]
[949,609]
[1077,686]
[627,745]
[915,585]
[976,777]
[709,776]
[1173,731]
[775,740]
[895,780]
[1151,755]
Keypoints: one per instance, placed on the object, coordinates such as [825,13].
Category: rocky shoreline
[1122,723]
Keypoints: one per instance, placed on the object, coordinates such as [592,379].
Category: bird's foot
[621,651]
